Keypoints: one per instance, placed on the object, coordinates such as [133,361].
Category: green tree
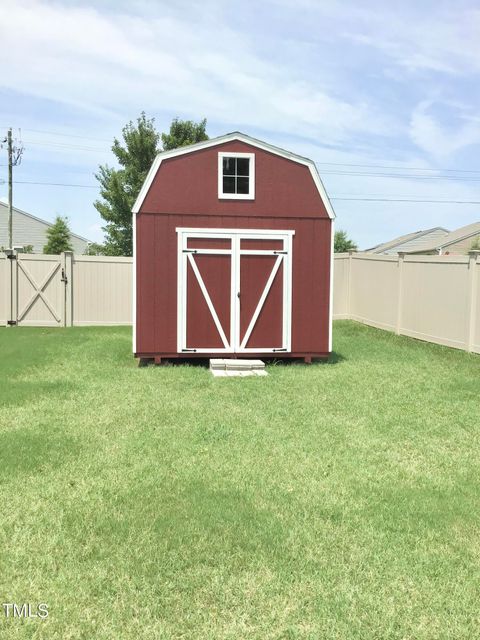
[183,132]
[135,155]
[94,249]
[475,244]
[342,242]
[58,237]
[120,187]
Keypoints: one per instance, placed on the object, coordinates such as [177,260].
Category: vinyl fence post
[398,324]
[472,297]
[349,280]
[67,261]
[7,288]
[12,288]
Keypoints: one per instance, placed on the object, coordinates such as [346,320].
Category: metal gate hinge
[11,322]
[278,349]
[189,250]
[189,350]
[12,256]
[278,252]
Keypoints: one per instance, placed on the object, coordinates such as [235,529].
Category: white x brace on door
[234,290]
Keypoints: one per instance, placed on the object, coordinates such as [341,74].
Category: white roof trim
[229,137]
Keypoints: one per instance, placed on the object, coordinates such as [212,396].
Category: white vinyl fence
[65,290]
[433,298]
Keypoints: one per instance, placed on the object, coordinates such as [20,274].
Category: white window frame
[251,182]
[284,257]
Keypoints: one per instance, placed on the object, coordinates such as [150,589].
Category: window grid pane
[236,175]
[229,184]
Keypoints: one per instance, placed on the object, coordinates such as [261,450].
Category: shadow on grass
[334,358]
[24,451]
[180,526]
[15,393]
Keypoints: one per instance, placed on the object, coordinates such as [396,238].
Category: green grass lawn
[336,500]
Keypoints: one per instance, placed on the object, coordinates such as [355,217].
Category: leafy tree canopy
[120,187]
[94,249]
[342,243]
[58,237]
[476,244]
[184,132]
[135,155]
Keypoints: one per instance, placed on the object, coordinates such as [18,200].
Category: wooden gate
[234,290]
[38,285]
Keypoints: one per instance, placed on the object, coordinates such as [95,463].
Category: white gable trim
[230,137]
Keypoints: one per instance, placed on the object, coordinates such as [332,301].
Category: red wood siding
[156,252]
[254,273]
[216,272]
[188,184]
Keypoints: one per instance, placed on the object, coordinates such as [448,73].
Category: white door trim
[208,300]
[186,256]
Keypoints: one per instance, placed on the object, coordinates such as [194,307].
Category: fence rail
[433,298]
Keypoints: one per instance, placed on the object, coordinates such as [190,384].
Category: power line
[63,145]
[407,200]
[59,184]
[350,199]
[383,166]
[336,164]
[67,135]
[399,175]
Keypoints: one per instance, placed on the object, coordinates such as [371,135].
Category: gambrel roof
[230,137]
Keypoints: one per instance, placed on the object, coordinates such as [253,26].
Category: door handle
[238,295]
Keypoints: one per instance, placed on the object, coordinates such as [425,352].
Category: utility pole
[10,188]
[14,158]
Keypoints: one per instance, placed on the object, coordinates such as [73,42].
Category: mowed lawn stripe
[337,500]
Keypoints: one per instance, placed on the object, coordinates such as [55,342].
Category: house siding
[414,243]
[29,230]
[410,242]
[461,247]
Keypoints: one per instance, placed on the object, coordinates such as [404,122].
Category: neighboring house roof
[463,233]
[229,137]
[409,241]
[30,230]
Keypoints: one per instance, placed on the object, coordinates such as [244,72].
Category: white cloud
[105,62]
[340,82]
[442,140]
[421,37]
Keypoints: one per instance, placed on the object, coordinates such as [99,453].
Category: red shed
[233,249]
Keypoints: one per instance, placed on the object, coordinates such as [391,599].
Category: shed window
[236,176]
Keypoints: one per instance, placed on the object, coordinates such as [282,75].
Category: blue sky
[362,88]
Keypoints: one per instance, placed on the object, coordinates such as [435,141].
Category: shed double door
[234,290]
